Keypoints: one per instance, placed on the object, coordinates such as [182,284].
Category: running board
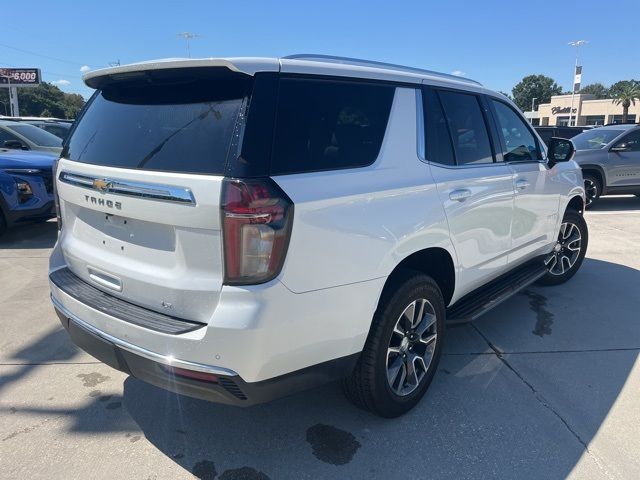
[480,301]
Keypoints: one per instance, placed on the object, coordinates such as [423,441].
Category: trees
[597,89]
[45,100]
[626,96]
[539,87]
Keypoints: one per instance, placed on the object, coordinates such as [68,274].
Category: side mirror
[620,147]
[16,144]
[560,150]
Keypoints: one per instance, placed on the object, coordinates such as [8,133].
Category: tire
[568,254]
[394,342]
[592,187]
[3,224]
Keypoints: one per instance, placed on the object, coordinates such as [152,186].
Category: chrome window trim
[140,351]
[151,191]
[420,125]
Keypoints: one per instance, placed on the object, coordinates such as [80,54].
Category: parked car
[547,133]
[59,129]
[26,187]
[241,229]
[22,136]
[610,160]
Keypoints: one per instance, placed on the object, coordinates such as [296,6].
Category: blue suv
[26,187]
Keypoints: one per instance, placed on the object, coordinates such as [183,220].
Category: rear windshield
[182,122]
[595,139]
[36,135]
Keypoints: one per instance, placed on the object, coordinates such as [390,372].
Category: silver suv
[610,160]
[239,229]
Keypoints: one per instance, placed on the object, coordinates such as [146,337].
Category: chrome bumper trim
[143,352]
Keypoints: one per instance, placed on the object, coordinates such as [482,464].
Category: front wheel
[401,354]
[568,253]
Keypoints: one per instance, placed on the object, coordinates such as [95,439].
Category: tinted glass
[172,124]
[518,140]
[322,125]
[545,134]
[56,130]
[438,138]
[5,135]
[467,127]
[632,141]
[595,139]
[36,135]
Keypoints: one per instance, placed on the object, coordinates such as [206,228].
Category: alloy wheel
[411,347]
[566,251]
[591,191]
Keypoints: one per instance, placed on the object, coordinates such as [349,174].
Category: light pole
[188,36]
[577,44]
[533,106]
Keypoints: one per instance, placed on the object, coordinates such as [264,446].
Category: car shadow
[616,203]
[30,236]
[482,417]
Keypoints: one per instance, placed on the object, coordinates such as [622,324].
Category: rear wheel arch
[597,171]
[435,262]
[576,203]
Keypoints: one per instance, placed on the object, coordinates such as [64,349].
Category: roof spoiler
[247,66]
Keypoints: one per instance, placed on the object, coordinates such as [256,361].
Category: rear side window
[178,121]
[517,140]
[467,127]
[323,125]
[36,135]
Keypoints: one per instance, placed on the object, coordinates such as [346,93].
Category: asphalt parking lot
[545,386]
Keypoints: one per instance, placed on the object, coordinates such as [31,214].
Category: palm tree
[626,97]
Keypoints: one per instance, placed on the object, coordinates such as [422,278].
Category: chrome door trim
[151,191]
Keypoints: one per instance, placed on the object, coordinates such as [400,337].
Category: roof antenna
[187,37]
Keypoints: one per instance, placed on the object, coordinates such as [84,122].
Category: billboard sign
[19,77]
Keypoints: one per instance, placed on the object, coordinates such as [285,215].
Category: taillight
[56,199]
[256,225]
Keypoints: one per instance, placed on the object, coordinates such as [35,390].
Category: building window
[594,120]
[618,119]
[545,121]
[562,121]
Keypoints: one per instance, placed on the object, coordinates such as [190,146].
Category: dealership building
[587,110]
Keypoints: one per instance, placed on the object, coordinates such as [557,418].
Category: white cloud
[62,82]
[85,68]
[458,73]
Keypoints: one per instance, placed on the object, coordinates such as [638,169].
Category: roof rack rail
[370,63]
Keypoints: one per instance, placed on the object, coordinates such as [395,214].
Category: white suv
[239,229]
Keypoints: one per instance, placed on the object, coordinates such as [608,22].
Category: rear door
[475,190]
[536,194]
[625,162]
[139,185]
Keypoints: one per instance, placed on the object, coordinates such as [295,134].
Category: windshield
[594,139]
[36,135]
[183,124]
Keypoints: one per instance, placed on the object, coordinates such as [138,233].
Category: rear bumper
[227,388]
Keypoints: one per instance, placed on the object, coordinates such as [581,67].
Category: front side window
[467,128]
[631,142]
[518,141]
[595,139]
[324,125]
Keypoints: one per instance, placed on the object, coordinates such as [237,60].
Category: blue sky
[495,42]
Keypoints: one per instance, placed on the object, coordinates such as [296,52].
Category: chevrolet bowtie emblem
[101,184]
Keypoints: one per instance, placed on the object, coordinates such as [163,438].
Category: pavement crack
[540,398]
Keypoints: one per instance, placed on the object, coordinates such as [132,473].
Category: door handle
[460,195]
[522,184]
